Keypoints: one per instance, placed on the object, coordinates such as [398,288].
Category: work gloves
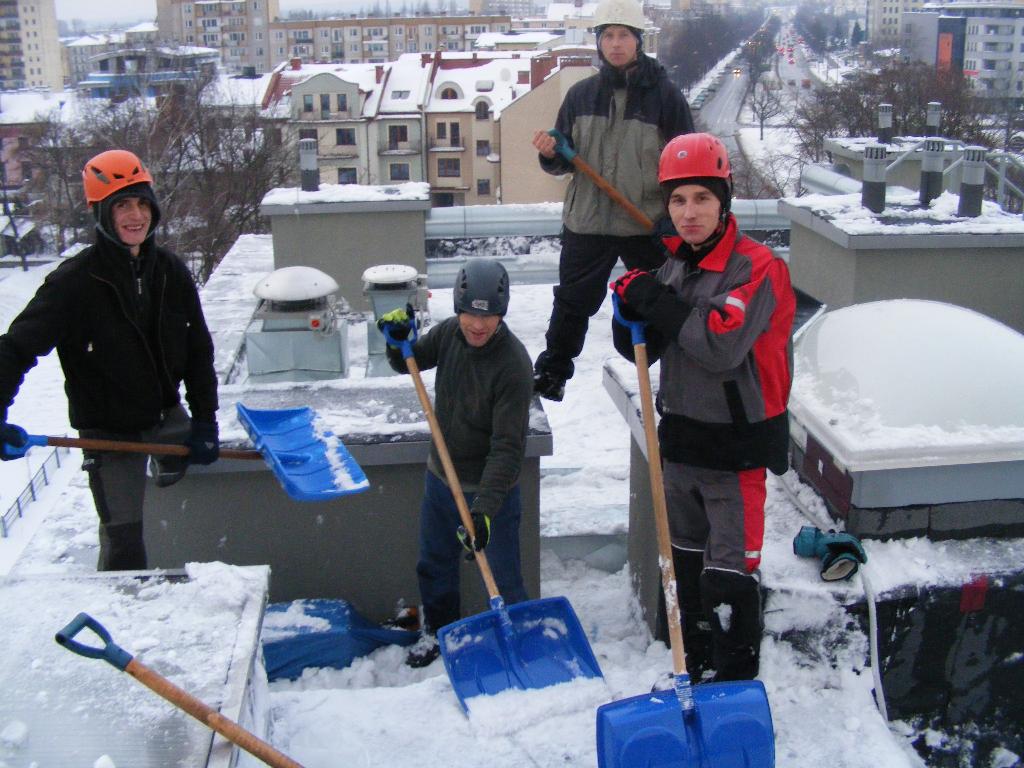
[644,296]
[203,443]
[482,529]
[398,323]
[841,553]
[13,441]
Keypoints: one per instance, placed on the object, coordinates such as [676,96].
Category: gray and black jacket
[482,399]
[127,338]
[618,124]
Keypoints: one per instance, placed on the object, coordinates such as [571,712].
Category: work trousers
[584,268]
[441,552]
[118,484]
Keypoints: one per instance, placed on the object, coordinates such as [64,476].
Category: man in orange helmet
[125,318]
[719,314]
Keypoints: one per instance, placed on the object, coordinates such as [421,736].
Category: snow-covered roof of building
[525,39]
[410,191]
[561,11]
[144,26]
[20,107]
[233,90]
[105,38]
[911,383]
[492,76]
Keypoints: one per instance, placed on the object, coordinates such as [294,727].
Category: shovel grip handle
[562,144]
[110,651]
[636,327]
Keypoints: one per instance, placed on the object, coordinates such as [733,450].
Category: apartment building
[79,54]
[238,29]
[983,40]
[357,39]
[883,20]
[30,55]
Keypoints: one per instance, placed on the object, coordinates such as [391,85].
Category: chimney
[872,188]
[931,170]
[309,173]
[972,182]
[933,116]
[379,72]
[296,63]
[885,123]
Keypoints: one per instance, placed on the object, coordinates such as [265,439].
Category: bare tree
[765,102]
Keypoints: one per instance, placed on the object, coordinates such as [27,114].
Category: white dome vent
[290,284]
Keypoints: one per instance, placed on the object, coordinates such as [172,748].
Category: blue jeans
[441,551]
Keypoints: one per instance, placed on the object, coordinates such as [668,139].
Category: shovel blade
[306,466]
[729,727]
[533,644]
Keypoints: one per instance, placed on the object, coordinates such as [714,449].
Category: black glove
[652,300]
[13,441]
[203,443]
[398,323]
[482,528]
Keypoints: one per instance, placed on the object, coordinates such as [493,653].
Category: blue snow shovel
[724,725]
[528,645]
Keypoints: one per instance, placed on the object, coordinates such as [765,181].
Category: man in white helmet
[618,120]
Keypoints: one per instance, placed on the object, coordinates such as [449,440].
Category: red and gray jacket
[725,379]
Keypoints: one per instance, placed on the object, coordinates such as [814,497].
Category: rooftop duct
[294,334]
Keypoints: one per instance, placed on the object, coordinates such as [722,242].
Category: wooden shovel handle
[634,213]
[450,474]
[156,449]
[668,571]
[210,717]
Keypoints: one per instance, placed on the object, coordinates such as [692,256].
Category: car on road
[737,71]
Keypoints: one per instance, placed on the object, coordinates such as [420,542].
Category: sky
[133,11]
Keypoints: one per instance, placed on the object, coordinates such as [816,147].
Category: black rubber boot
[121,548]
[697,638]
[733,603]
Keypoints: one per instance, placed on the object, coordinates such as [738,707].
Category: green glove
[397,322]
[481,529]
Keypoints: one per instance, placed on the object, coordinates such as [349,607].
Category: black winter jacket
[618,125]
[124,355]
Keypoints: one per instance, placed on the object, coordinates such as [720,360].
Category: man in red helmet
[125,318]
[719,314]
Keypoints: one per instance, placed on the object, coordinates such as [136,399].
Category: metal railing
[39,480]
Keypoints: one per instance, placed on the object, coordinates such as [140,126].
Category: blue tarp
[320,633]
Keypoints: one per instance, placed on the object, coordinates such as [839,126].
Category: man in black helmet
[617,120]
[125,318]
[482,394]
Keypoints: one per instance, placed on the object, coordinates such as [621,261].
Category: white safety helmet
[628,13]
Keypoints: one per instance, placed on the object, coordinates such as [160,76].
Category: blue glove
[203,443]
[13,441]
[482,529]
[398,323]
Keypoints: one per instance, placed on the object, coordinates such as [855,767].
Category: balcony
[447,145]
[413,147]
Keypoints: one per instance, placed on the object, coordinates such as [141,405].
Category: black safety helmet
[481,288]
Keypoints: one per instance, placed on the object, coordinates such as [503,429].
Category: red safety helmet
[111,171]
[692,155]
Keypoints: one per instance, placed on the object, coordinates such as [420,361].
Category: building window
[400,94]
[307,103]
[397,134]
[449,93]
[483,148]
[347,176]
[456,136]
[342,102]
[399,171]
[483,111]
[345,137]
[325,103]
[308,133]
[442,130]
[483,187]
[448,167]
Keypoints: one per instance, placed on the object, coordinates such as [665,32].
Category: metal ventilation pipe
[872,191]
[931,170]
[972,182]
[309,172]
[885,123]
[933,117]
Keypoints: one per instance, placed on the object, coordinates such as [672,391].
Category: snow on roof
[492,39]
[494,78]
[232,90]
[561,11]
[911,382]
[145,26]
[404,85]
[19,107]
[349,193]
[903,215]
[105,38]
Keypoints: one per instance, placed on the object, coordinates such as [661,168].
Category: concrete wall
[988,280]
[344,244]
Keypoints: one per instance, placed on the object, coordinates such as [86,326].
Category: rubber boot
[733,603]
[697,638]
[121,548]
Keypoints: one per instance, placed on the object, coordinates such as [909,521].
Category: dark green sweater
[482,399]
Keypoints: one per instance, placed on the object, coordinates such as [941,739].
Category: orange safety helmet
[693,154]
[111,171]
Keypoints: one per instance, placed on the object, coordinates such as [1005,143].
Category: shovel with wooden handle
[120,659]
[571,155]
[719,724]
[527,645]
